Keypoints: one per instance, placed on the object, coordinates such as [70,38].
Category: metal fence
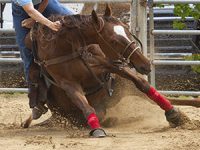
[169,32]
[138,25]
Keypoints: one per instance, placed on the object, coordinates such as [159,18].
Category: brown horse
[77,68]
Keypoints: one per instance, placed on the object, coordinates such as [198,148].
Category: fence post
[138,22]
[133,16]
[151,44]
[1,14]
[142,24]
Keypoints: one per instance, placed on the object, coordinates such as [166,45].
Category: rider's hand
[55,26]
[28,23]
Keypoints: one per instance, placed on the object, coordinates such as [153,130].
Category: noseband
[122,55]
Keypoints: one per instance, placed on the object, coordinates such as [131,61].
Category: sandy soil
[141,126]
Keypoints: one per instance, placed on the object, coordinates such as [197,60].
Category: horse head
[115,38]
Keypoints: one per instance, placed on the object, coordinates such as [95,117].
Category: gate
[169,32]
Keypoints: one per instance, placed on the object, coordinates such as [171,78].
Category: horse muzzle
[144,70]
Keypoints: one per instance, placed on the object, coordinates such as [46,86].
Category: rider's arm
[29,22]
[37,16]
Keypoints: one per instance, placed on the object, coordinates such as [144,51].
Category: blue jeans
[53,7]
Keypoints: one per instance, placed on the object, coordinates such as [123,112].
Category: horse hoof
[176,118]
[27,123]
[98,133]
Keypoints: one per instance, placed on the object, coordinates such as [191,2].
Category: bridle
[132,52]
[121,56]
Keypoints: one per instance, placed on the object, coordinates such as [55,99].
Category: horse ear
[108,11]
[95,17]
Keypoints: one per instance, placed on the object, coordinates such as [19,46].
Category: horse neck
[84,32]
[82,29]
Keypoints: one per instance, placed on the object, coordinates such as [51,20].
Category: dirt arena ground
[141,126]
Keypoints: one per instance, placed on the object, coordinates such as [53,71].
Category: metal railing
[175,62]
[12,90]
[176,1]
[6,31]
[176,32]
[82,1]
[170,32]
[10,60]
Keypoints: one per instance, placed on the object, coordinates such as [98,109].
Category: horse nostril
[148,71]
[145,70]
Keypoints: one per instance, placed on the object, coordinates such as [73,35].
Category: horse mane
[79,21]
[74,23]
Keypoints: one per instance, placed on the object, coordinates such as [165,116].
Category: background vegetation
[185,10]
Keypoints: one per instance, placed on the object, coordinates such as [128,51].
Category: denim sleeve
[22,2]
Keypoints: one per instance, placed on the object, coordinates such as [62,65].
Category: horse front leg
[173,115]
[77,97]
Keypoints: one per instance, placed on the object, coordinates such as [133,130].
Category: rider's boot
[38,111]
[37,92]
[38,106]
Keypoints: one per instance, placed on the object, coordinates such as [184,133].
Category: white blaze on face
[120,31]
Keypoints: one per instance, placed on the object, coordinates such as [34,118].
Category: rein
[58,60]
[81,53]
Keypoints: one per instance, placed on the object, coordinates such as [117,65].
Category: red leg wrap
[159,99]
[93,121]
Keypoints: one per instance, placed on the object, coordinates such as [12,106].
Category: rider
[25,14]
